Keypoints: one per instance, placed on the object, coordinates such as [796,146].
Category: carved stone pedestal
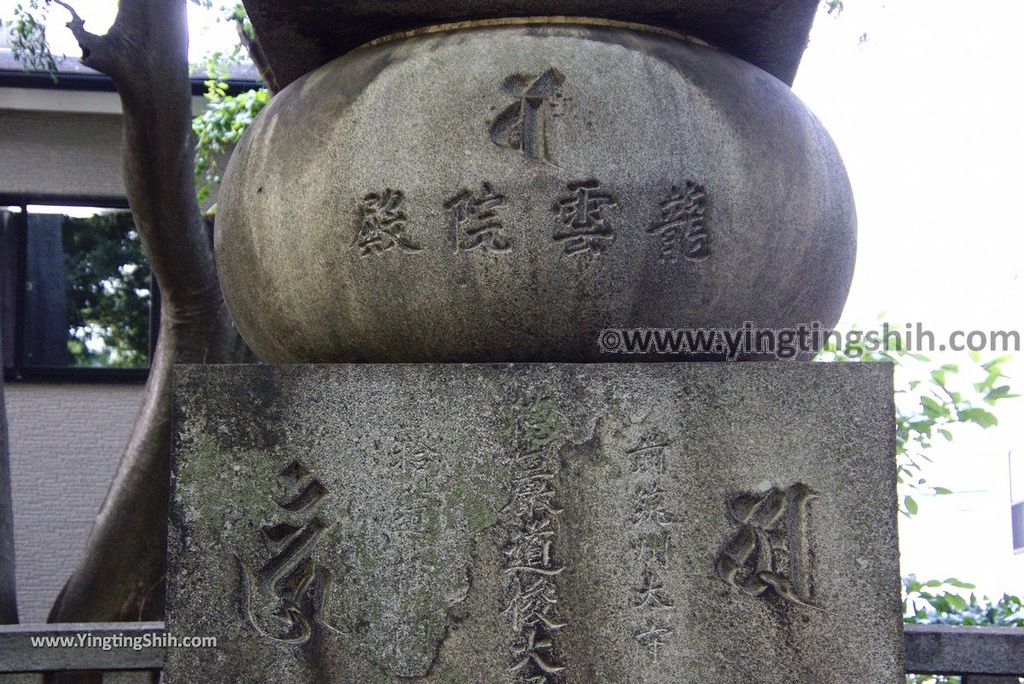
[502,181]
[535,523]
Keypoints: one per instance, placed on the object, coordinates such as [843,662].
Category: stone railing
[983,655]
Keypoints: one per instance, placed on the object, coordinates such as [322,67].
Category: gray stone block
[535,522]
[301,35]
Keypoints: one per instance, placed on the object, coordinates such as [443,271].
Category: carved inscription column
[651,538]
[531,568]
[410,550]
[414,523]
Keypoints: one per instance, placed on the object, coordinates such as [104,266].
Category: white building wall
[60,153]
[57,143]
[65,440]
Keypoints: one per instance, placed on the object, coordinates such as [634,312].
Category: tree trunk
[121,574]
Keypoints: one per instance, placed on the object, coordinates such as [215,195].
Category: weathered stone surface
[573,523]
[301,35]
[991,651]
[505,194]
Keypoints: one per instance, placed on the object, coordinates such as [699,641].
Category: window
[78,296]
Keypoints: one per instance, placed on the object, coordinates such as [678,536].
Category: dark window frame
[15,369]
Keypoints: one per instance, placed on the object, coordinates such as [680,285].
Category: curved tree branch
[121,573]
[253,46]
[96,50]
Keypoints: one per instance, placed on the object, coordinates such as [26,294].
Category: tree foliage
[219,127]
[933,603]
[226,117]
[29,42]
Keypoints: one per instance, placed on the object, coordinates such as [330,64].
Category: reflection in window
[87,289]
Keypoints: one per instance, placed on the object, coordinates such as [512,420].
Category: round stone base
[507,193]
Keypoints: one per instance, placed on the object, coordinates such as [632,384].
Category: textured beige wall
[66,440]
[60,153]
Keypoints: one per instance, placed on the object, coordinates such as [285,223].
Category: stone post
[493,195]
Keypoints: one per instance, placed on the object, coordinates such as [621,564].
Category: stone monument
[481,189]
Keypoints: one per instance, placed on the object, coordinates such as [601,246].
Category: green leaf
[978,416]
[1001,392]
[922,426]
[957,601]
[910,504]
[996,362]
[933,409]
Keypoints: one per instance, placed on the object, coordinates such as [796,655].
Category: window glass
[87,289]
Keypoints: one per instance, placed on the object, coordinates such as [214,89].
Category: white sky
[206,32]
[928,115]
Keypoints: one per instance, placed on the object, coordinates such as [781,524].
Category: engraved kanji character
[768,553]
[417,463]
[532,652]
[382,224]
[473,222]
[522,126]
[540,599]
[534,493]
[290,587]
[533,604]
[582,221]
[530,549]
[648,507]
[682,227]
[649,459]
[651,593]
[653,547]
[411,520]
[653,637]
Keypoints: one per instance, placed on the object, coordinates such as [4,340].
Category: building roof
[73,75]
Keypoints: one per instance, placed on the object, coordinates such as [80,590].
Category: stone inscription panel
[534,523]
